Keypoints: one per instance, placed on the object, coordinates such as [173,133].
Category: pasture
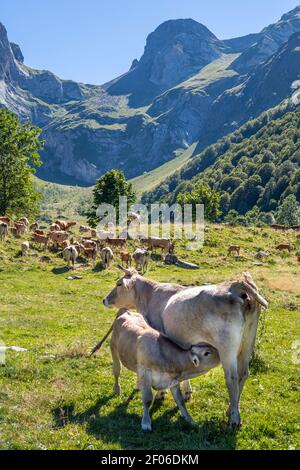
[56,397]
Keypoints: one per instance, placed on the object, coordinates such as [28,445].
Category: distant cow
[84,229]
[34,227]
[24,221]
[90,244]
[234,249]
[117,242]
[21,228]
[58,237]
[158,362]
[39,232]
[6,220]
[284,246]
[25,248]
[65,225]
[295,227]
[70,255]
[40,239]
[107,256]
[141,258]
[54,228]
[3,230]
[166,244]
[89,253]
[279,227]
[126,257]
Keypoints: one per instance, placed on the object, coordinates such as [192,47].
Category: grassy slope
[53,396]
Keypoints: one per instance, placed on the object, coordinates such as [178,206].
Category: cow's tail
[250,288]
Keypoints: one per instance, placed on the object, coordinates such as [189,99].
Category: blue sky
[94,41]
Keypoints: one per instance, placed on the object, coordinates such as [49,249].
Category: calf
[89,253]
[158,362]
[234,249]
[3,230]
[40,239]
[107,256]
[126,258]
[284,246]
[70,255]
[141,258]
[24,221]
[21,228]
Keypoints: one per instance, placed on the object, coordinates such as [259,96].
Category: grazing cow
[158,362]
[24,221]
[295,227]
[84,229]
[126,258]
[166,244]
[6,220]
[25,248]
[89,253]
[224,316]
[284,246]
[40,239]
[234,249]
[141,259]
[3,230]
[34,227]
[54,228]
[70,255]
[90,244]
[117,242]
[279,227]
[21,228]
[58,237]
[39,232]
[65,225]
[107,256]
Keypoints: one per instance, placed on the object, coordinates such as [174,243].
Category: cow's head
[122,295]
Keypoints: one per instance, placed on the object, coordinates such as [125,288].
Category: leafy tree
[202,195]
[107,190]
[289,211]
[19,146]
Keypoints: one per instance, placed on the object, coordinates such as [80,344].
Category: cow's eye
[119,284]
[207,353]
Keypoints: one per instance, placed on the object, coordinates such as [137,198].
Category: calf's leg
[145,383]
[177,395]
[187,390]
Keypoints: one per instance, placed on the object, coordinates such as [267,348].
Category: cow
[65,225]
[141,259]
[117,242]
[3,230]
[54,228]
[58,237]
[126,258]
[39,232]
[65,244]
[166,244]
[21,228]
[40,239]
[295,227]
[6,220]
[279,227]
[25,248]
[224,316]
[24,221]
[234,249]
[87,243]
[70,255]
[89,253]
[93,233]
[34,227]
[284,246]
[107,256]
[158,362]
[14,232]
[84,229]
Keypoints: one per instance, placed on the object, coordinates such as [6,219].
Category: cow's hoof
[117,390]
[146,427]
[235,421]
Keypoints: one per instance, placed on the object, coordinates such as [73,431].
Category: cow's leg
[186,390]
[116,366]
[145,383]
[247,348]
[177,395]
[230,366]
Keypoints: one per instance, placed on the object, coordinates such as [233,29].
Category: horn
[125,270]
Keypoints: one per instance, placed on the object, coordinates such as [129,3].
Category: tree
[202,195]
[107,190]
[289,211]
[19,146]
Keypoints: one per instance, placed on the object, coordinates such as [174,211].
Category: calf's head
[122,295]
[204,356]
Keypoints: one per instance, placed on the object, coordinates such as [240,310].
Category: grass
[55,397]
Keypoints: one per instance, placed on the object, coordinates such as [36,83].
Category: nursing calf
[158,362]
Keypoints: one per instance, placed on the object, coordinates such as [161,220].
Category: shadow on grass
[170,431]
[61,270]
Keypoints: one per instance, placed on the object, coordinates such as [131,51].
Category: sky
[93,41]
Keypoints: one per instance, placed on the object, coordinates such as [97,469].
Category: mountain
[187,87]
[256,166]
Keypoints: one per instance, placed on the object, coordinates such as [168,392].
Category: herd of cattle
[89,244]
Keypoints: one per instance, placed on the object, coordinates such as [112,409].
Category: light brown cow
[107,256]
[224,316]
[34,227]
[89,253]
[65,225]
[284,246]
[58,237]
[84,229]
[234,249]
[54,228]
[21,228]
[166,244]
[40,239]
[24,221]
[6,220]
[158,362]
[89,244]
[279,227]
[126,257]
[117,242]
[39,232]
[65,244]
